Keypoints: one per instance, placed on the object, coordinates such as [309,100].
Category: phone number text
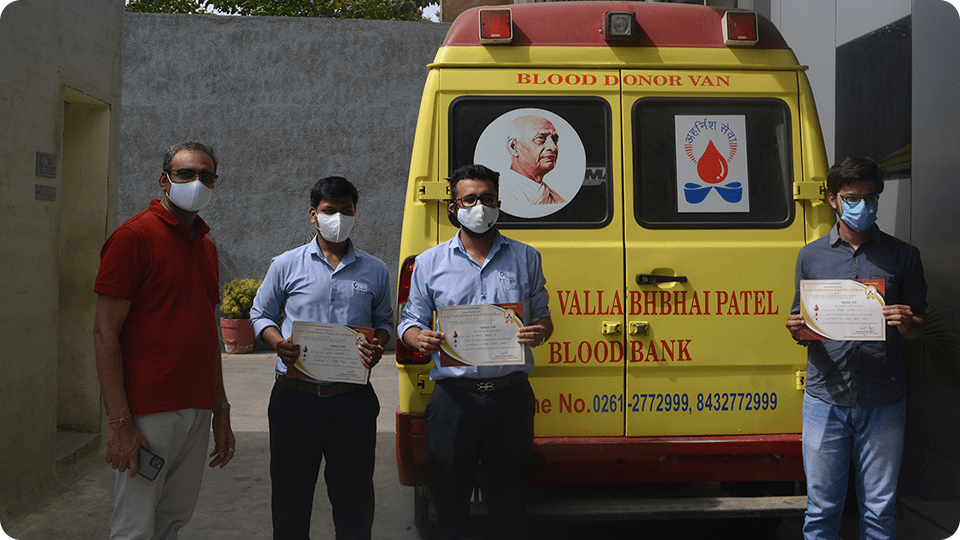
[703,402]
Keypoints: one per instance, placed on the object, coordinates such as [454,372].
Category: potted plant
[236,299]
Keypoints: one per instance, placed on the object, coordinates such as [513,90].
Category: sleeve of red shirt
[121,265]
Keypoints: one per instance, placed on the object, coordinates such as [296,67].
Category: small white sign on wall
[712,164]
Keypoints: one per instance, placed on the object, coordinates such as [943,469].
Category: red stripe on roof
[579,24]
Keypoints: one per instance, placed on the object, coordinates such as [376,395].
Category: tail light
[496,26]
[740,28]
[406,355]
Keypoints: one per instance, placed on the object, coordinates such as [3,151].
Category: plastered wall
[284,102]
[56,56]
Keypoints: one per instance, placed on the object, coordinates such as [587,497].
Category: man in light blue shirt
[330,281]
[478,413]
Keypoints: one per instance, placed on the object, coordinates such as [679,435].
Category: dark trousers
[304,430]
[465,427]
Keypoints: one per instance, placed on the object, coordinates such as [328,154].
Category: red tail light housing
[496,26]
[740,28]
[406,355]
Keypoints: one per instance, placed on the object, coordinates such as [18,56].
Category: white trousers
[158,509]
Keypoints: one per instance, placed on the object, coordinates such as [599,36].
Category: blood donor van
[689,170]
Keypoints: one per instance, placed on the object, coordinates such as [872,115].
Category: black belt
[485,385]
[322,390]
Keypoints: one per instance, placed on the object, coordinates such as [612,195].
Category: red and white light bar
[496,26]
[740,28]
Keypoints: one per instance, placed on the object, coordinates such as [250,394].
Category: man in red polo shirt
[158,355]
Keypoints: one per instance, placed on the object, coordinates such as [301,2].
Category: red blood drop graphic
[711,166]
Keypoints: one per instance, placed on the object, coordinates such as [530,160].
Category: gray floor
[235,501]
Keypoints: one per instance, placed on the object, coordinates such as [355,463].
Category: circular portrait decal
[540,158]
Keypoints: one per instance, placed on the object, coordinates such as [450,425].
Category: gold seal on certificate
[480,335]
[842,309]
[328,352]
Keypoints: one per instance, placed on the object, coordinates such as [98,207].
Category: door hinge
[424,384]
[810,190]
[429,190]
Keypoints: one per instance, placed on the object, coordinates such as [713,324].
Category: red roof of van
[580,24]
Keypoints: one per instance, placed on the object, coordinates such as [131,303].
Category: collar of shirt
[161,211]
[835,237]
[348,258]
[498,242]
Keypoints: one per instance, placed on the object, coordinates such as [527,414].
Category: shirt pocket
[360,301]
[509,285]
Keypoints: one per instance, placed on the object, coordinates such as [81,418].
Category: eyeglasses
[467,201]
[190,174]
[854,198]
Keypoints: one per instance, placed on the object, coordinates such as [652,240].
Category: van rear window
[553,156]
[711,163]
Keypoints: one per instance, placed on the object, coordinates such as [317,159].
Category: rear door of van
[669,254]
[711,234]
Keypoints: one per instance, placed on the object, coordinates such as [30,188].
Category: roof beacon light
[496,26]
[620,25]
[740,28]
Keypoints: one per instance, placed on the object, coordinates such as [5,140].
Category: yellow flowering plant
[236,298]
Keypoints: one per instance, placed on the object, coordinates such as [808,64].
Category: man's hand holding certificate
[842,309]
[329,352]
[480,335]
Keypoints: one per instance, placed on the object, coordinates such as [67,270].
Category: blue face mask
[860,216]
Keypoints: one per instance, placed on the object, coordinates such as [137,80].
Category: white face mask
[479,218]
[190,196]
[335,227]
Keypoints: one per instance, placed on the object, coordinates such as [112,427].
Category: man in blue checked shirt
[854,406]
[329,281]
[478,413]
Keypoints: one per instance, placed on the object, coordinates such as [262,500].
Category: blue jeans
[872,437]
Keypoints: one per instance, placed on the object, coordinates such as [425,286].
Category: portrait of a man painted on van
[540,158]
[533,145]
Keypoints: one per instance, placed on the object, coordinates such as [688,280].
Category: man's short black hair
[473,172]
[189,145]
[854,169]
[331,188]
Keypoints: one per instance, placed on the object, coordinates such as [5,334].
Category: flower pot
[237,335]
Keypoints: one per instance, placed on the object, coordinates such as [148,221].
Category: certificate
[480,335]
[328,352]
[842,309]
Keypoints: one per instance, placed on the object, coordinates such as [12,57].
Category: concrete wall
[931,476]
[284,102]
[60,69]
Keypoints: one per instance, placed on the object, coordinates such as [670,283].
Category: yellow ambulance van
[688,170]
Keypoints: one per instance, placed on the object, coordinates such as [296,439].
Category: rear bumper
[560,460]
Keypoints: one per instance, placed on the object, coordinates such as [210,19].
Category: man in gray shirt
[854,406]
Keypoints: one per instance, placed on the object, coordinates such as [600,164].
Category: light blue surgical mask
[860,216]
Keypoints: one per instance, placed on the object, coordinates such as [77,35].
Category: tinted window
[701,163]
[553,156]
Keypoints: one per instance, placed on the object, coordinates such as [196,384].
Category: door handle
[639,328]
[610,328]
[649,279]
